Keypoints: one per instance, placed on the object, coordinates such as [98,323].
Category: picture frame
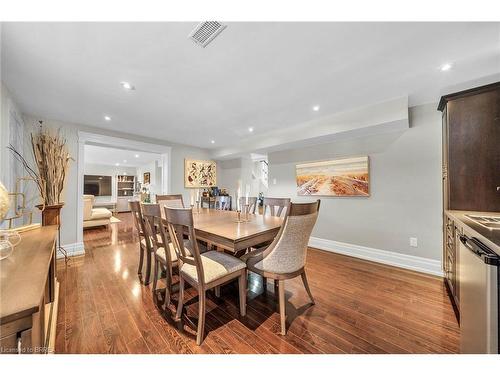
[147,178]
[200,173]
[345,177]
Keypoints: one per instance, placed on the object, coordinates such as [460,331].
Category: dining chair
[275,205]
[170,200]
[222,202]
[252,203]
[285,257]
[145,247]
[164,260]
[202,271]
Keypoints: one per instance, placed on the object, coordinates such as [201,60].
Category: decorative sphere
[4,202]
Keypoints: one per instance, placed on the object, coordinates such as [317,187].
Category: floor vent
[205,32]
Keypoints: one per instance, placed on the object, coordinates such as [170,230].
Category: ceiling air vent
[205,32]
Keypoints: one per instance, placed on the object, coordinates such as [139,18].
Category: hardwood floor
[361,307]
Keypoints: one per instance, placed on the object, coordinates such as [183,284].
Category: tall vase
[51,215]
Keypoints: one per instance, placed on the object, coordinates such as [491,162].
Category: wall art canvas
[335,178]
[147,177]
[200,173]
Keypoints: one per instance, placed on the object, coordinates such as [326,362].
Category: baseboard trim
[72,250]
[410,262]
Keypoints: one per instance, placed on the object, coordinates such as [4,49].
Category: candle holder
[246,210]
[238,217]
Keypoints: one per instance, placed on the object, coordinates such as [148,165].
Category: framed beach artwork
[348,177]
[200,173]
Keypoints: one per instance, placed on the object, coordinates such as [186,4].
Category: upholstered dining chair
[202,271]
[165,258]
[145,246]
[285,258]
[252,204]
[222,202]
[275,206]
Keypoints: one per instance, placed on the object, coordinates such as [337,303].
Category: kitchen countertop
[490,237]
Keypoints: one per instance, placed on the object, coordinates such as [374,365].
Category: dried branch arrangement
[52,158]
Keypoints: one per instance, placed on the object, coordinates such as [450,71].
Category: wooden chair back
[152,224]
[135,208]
[252,204]
[223,203]
[275,206]
[179,222]
[171,200]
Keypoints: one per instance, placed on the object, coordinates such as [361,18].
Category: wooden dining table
[222,229]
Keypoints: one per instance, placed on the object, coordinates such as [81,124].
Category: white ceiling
[264,75]
[111,156]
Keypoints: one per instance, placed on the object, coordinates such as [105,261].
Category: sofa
[94,217]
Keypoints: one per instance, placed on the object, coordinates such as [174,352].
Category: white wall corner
[72,250]
[410,262]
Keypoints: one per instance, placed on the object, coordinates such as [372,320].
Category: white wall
[242,170]
[69,214]
[155,170]
[405,184]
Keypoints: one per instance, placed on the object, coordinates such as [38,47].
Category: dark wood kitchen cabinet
[471,167]
[471,149]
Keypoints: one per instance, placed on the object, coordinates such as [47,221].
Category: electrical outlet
[413,242]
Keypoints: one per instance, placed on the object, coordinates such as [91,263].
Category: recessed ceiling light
[212,141]
[125,173]
[445,67]
[127,85]
[124,161]
[107,118]
[136,155]
[250,129]
[117,164]
[316,108]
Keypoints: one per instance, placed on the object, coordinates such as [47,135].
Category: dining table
[223,229]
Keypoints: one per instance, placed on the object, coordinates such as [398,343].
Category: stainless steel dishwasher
[479,297]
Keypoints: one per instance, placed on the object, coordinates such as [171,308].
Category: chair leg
[141,260]
[264,283]
[306,285]
[180,304]
[281,287]
[155,280]
[242,283]
[275,287]
[217,291]
[168,287]
[201,316]
[148,267]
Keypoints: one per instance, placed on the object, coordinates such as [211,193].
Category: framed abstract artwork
[147,177]
[335,178]
[200,173]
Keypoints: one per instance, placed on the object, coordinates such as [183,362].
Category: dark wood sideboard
[29,293]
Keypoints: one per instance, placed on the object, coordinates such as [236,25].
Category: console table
[29,290]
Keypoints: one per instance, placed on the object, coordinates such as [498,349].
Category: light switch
[413,242]
[274,181]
